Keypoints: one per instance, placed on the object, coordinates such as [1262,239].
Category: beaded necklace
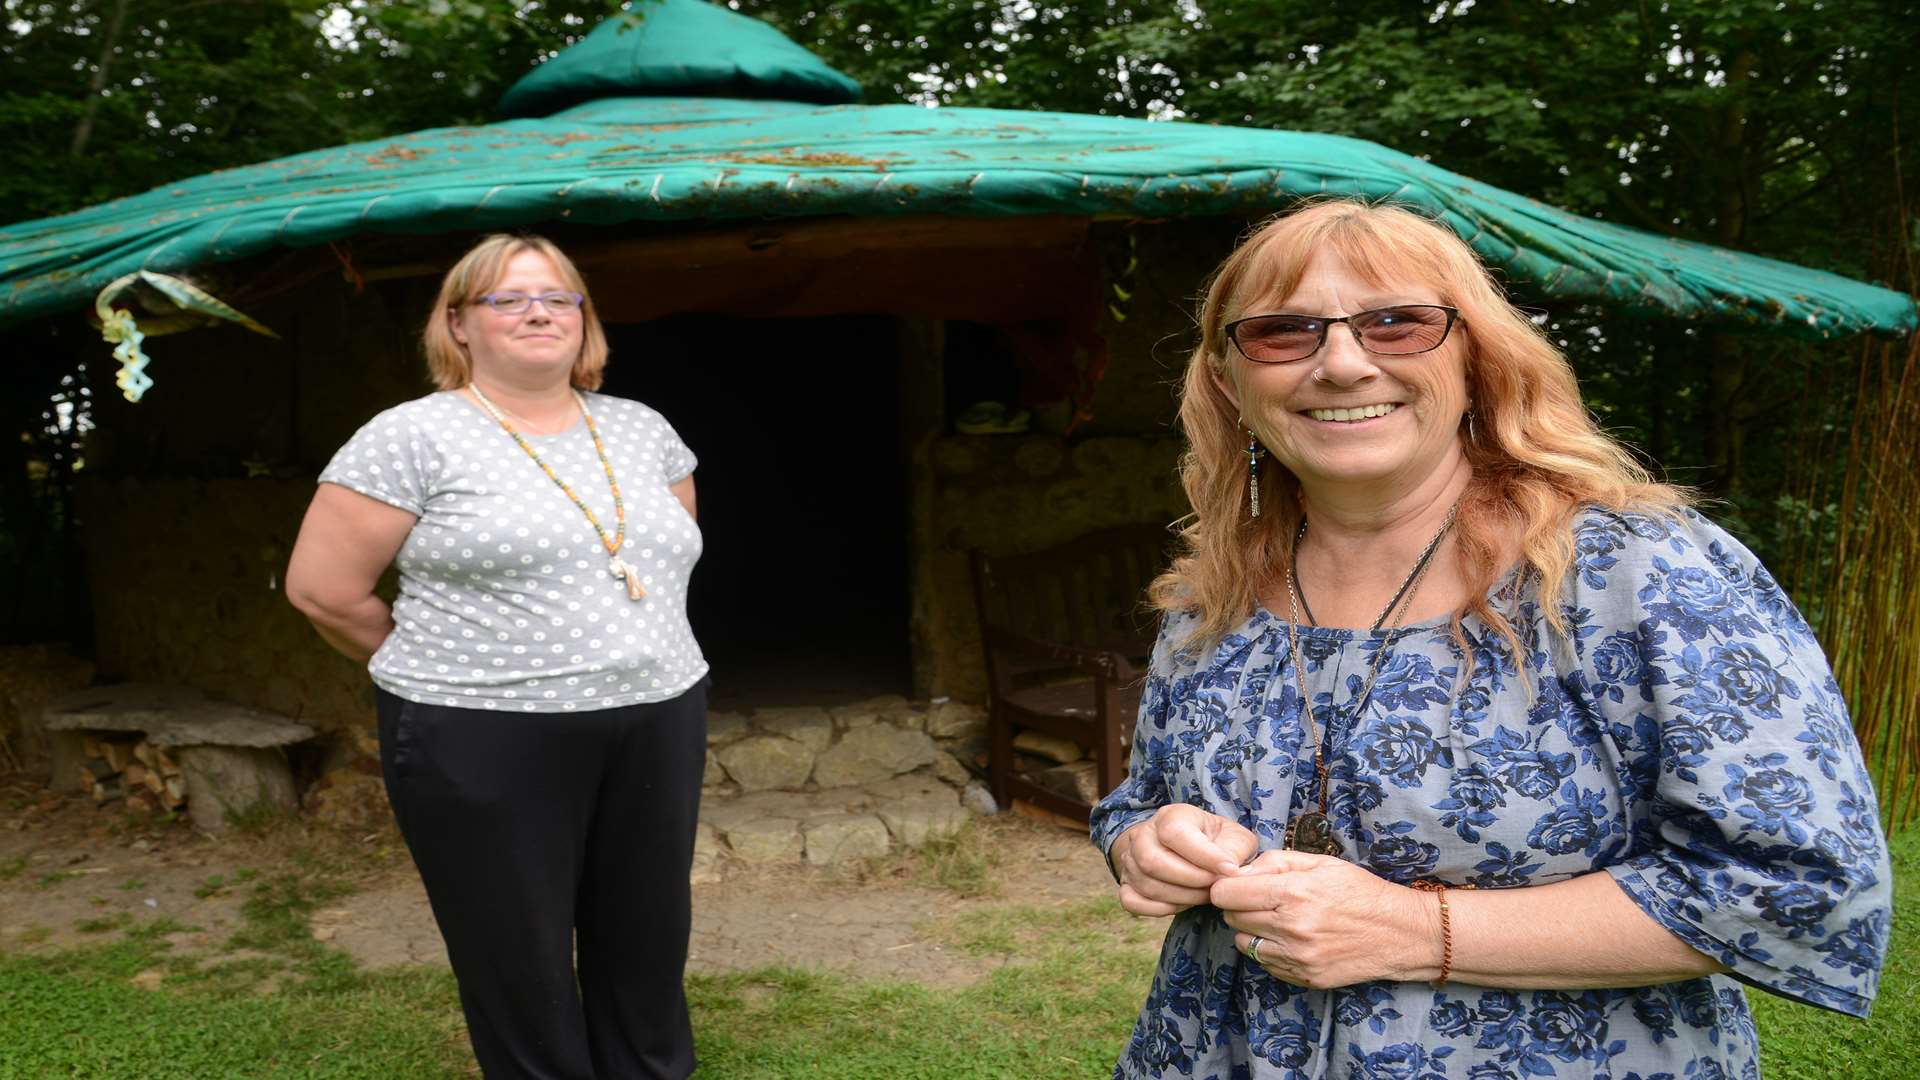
[617,566]
[1313,831]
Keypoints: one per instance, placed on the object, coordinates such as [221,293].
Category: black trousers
[534,831]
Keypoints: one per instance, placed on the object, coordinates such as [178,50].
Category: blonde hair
[477,272]
[1537,456]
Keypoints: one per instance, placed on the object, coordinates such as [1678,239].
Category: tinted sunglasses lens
[1391,331]
[1279,337]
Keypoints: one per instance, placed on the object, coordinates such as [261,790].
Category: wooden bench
[1066,633]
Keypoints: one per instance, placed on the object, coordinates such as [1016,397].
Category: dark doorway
[801,595]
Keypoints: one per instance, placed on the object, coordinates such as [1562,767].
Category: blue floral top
[1689,740]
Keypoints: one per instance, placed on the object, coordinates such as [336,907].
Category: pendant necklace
[1312,832]
[617,566]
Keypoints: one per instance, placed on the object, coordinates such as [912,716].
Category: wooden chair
[1066,634]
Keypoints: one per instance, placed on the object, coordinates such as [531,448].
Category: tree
[105,98]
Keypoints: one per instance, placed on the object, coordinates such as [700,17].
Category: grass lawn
[278,1004]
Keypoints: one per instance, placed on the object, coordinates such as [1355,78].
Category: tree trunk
[83,131]
[1724,432]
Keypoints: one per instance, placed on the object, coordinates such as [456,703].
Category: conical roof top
[678,48]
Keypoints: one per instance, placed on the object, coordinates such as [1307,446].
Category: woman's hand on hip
[1325,922]
[1169,861]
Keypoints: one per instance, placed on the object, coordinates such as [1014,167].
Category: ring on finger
[1253,950]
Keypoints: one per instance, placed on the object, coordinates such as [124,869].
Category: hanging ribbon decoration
[175,305]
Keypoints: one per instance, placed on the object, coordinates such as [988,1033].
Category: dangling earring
[1254,453]
[1472,436]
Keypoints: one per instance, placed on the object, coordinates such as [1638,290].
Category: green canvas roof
[706,159]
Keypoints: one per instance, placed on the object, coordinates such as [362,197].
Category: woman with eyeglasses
[1468,750]
[541,698]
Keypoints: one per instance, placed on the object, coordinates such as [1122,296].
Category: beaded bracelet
[1439,891]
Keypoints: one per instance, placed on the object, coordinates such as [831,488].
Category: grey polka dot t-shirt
[506,597]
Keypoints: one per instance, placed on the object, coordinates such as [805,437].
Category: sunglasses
[514,303]
[1390,331]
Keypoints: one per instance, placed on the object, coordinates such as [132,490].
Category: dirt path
[69,872]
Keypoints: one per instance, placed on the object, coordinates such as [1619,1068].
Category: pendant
[1312,833]
[627,572]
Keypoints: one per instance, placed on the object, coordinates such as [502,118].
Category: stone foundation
[832,785]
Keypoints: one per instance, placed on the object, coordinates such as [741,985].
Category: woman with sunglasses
[541,697]
[1468,750]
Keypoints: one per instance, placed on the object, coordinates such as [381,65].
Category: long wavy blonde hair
[1536,454]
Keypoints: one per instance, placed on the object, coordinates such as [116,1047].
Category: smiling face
[535,345]
[1345,416]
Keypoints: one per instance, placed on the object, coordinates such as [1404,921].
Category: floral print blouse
[1687,739]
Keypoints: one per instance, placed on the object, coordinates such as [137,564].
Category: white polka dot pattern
[506,601]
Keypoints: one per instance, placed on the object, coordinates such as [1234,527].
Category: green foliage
[97,108]
[1704,118]
[79,1014]
[1800,1042]
[277,913]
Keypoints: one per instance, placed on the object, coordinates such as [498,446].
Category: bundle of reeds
[1859,579]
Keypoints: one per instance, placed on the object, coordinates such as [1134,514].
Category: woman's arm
[346,542]
[1327,922]
[1571,935]
[683,490]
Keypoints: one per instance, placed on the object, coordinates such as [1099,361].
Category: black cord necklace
[1312,831]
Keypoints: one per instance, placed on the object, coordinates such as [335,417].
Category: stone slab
[912,786]
[791,805]
[725,727]
[224,782]
[810,727]
[171,716]
[767,762]
[952,770]
[956,720]
[917,808]
[864,755]
[842,837]
[913,823]
[883,709]
[765,840]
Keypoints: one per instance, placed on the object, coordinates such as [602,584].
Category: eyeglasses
[1390,331]
[517,303]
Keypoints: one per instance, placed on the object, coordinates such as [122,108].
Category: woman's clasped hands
[1169,862]
[1325,922]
